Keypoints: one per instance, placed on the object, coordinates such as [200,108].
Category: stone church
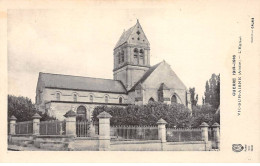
[135,82]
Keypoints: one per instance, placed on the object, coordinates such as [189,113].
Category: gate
[82,128]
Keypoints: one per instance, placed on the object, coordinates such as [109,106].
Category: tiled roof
[81,83]
[124,37]
[146,75]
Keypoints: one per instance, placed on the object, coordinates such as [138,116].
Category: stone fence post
[70,123]
[216,133]
[36,124]
[12,125]
[104,131]
[161,130]
[204,131]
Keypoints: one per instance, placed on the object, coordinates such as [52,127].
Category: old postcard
[130,81]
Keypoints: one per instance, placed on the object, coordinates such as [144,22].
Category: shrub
[176,114]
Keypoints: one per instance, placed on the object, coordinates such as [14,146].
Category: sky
[191,37]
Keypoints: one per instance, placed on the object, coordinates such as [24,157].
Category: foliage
[176,114]
[212,91]
[23,109]
[205,113]
[193,99]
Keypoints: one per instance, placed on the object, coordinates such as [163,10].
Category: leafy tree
[205,113]
[23,109]
[193,96]
[175,114]
[212,91]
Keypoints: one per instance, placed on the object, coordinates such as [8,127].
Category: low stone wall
[85,144]
[158,146]
[188,146]
[104,142]
[56,142]
[20,139]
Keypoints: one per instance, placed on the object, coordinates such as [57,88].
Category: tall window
[142,56]
[151,100]
[74,97]
[91,98]
[58,96]
[106,99]
[120,100]
[118,58]
[174,99]
[135,56]
[122,56]
[81,113]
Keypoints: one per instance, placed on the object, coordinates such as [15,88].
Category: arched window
[106,99]
[75,97]
[81,113]
[135,56]
[118,58]
[151,100]
[174,99]
[58,96]
[141,57]
[122,56]
[120,100]
[91,98]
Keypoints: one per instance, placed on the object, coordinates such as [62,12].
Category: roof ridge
[145,76]
[125,33]
[79,76]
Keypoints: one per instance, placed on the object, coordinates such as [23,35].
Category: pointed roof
[124,37]
[146,75]
[163,87]
[126,34]
[151,70]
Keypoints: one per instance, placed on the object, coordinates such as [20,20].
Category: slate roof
[146,75]
[81,83]
[124,37]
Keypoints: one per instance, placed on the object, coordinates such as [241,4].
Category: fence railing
[82,128]
[25,127]
[210,134]
[52,127]
[134,132]
[183,134]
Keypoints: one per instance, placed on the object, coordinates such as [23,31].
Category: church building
[134,81]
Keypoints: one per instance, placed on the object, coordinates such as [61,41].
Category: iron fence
[82,128]
[52,127]
[183,134]
[134,132]
[25,127]
[210,134]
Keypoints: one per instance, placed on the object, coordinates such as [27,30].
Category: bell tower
[131,56]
